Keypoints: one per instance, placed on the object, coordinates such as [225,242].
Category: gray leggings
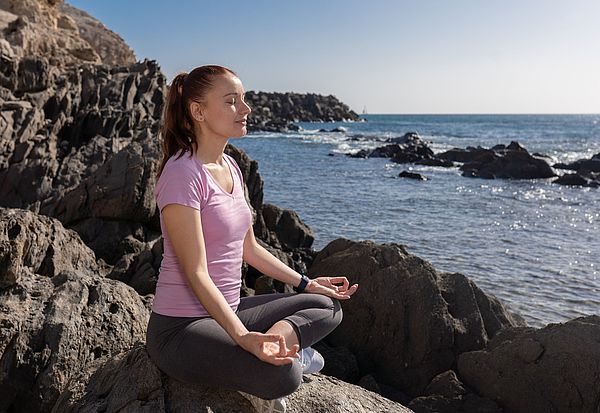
[199,350]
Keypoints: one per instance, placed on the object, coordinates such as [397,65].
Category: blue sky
[528,56]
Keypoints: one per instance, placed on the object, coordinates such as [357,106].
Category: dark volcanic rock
[278,111]
[409,148]
[413,320]
[511,162]
[588,172]
[412,175]
[57,312]
[590,179]
[552,369]
[131,379]
[446,394]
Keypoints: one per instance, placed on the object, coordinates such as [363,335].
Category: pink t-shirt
[226,218]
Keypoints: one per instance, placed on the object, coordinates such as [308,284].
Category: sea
[533,244]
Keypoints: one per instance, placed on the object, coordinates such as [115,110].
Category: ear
[196,111]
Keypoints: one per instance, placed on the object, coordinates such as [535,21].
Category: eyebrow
[232,93]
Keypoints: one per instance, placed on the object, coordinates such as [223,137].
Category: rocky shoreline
[80,250]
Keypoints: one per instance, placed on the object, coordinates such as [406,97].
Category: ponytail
[177,128]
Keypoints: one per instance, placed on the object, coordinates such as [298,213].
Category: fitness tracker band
[303,283]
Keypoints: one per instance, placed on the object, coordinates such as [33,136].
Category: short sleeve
[179,184]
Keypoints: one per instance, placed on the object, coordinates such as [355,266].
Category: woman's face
[223,111]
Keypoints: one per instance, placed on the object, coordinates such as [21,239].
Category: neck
[210,148]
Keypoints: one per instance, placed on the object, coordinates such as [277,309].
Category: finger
[293,352]
[282,347]
[340,280]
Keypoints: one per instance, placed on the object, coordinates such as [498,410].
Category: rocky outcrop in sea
[80,250]
[510,161]
[277,112]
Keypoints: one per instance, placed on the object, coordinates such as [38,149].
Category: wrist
[303,283]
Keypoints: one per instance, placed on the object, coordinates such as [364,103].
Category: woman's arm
[265,262]
[184,227]
[261,259]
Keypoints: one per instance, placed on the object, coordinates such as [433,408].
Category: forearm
[268,264]
[217,306]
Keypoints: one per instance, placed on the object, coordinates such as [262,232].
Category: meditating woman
[200,329]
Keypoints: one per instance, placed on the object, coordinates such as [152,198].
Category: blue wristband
[303,283]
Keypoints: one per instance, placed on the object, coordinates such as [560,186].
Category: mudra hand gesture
[326,286]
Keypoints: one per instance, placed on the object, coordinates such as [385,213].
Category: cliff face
[59,33]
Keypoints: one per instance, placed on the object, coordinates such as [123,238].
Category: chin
[238,133]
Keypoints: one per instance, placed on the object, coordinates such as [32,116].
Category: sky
[404,57]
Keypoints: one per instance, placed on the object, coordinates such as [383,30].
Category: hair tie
[180,88]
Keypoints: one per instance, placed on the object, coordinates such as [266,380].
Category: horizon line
[482,113]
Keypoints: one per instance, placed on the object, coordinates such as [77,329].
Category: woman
[200,330]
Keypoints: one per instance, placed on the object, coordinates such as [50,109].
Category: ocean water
[533,244]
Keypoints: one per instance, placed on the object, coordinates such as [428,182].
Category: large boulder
[130,381]
[57,311]
[502,161]
[552,369]
[407,322]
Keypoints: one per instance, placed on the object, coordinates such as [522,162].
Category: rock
[435,162]
[582,165]
[412,175]
[131,379]
[58,314]
[446,394]
[555,368]
[413,320]
[577,179]
[404,149]
[61,33]
[287,227]
[40,245]
[107,44]
[514,162]
[467,155]
[276,112]
[339,362]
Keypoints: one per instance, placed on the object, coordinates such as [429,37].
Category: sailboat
[364,112]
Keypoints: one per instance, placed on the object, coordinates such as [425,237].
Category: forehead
[227,84]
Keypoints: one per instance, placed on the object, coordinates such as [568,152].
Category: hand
[325,286]
[269,347]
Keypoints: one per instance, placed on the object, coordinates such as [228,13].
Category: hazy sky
[450,56]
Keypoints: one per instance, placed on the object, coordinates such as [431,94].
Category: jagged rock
[131,381]
[74,126]
[413,320]
[555,368]
[58,314]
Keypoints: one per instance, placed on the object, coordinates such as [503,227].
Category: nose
[248,108]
